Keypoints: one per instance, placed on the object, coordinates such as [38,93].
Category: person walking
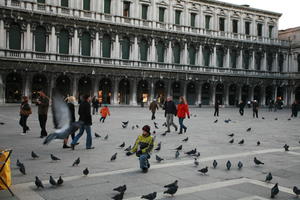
[104,112]
[217,105]
[71,105]
[95,103]
[294,109]
[182,111]
[86,117]
[153,107]
[241,106]
[143,147]
[43,106]
[25,111]
[255,109]
[170,111]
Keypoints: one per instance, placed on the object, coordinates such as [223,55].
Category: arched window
[106,46]
[40,39]
[144,50]
[220,57]
[86,44]
[15,37]
[206,56]
[125,48]
[192,55]
[64,42]
[176,53]
[160,48]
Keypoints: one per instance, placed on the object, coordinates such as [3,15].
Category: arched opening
[232,95]
[84,86]
[191,93]
[245,93]
[144,50]
[40,39]
[15,37]
[86,44]
[142,92]
[205,94]
[256,93]
[269,94]
[176,53]
[39,83]
[64,41]
[220,93]
[14,86]
[104,92]
[63,85]
[176,91]
[159,92]
[106,46]
[297,94]
[124,92]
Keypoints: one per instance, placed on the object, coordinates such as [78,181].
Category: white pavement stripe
[294,153]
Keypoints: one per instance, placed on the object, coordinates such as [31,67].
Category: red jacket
[104,111]
[182,110]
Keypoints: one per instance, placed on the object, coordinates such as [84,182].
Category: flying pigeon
[124,126]
[228,165]
[60,181]
[269,177]
[158,159]
[76,162]
[258,162]
[150,196]
[203,170]
[38,183]
[86,171]
[114,157]
[54,158]
[215,163]
[121,188]
[125,123]
[240,165]
[216,121]
[52,181]
[128,148]
[274,191]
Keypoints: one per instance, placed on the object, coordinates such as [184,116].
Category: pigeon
[2,123]
[97,135]
[54,158]
[215,164]
[276,118]
[289,119]
[263,118]
[38,183]
[174,184]
[179,148]
[216,121]
[19,164]
[296,190]
[76,162]
[274,191]
[248,129]
[231,135]
[137,126]
[106,137]
[124,126]
[171,190]
[196,162]
[22,169]
[203,170]
[258,162]
[132,127]
[154,132]
[186,139]
[150,196]
[121,188]
[52,181]
[61,119]
[258,143]
[122,145]
[158,147]
[125,123]
[128,148]
[227,121]
[114,157]
[60,181]
[177,154]
[286,147]
[34,155]
[231,141]
[240,165]
[195,115]
[118,196]
[158,159]
[192,152]
[242,141]
[86,171]
[269,177]
[228,165]
[156,126]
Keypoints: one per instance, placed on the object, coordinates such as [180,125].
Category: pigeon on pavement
[186,139]
[175,183]
[242,141]
[52,181]
[76,162]
[203,170]
[158,159]
[269,177]
[258,162]
[34,155]
[122,145]
[86,171]
[60,181]
[286,147]
[274,191]
[240,165]
[150,196]
[38,183]
[215,163]
[248,129]
[177,154]
[54,158]
[179,148]
[296,191]
[171,190]
[121,188]
[114,157]
[97,135]
[118,196]
[228,165]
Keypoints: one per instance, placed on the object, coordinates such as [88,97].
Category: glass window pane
[247,28]
[144,50]
[15,37]
[126,9]
[86,44]
[222,24]
[207,22]
[235,26]
[64,42]
[177,17]
[106,46]
[40,39]
[107,5]
[161,14]
[65,3]
[192,55]
[176,53]
[125,48]
[259,30]
[160,52]
[144,11]
[86,5]
[193,19]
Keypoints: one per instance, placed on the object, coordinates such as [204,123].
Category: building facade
[128,51]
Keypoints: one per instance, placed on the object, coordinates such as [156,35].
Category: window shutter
[107,4]
[144,11]
[161,14]
[177,17]
[233,59]
[193,19]
[192,55]
[15,37]
[176,54]
[40,1]
[125,48]
[206,55]
[86,5]
[207,22]
[40,39]
[106,46]
[65,3]
[144,50]
[86,44]
[64,42]
[220,56]
[160,52]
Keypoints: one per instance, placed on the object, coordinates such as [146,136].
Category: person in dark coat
[271,105]
[241,106]
[25,111]
[153,107]
[170,111]
[71,105]
[294,109]
[43,106]
[217,105]
[85,116]
[255,109]
[95,103]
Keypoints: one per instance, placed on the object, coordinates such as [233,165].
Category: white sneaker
[23,134]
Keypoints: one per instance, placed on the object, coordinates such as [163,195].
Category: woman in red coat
[182,111]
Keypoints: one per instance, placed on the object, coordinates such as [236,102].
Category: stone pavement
[209,138]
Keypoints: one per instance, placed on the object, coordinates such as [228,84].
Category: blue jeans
[182,126]
[87,128]
[144,163]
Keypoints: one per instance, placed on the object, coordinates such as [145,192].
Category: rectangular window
[207,22]
[271,31]
[40,1]
[86,5]
[126,9]
[222,24]
[161,14]
[64,3]
[259,30]
[193,19]
[235,26]
[107,5]
[247,28]
[144,11]
[177,17]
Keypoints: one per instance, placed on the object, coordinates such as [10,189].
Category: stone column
[53,43]
[228,59]
[76,43]
[96,86]
[285,96]
[275,63]
[153,50]
[184,84]
[214,57]
[135,53]
[2,90]
[3,35]
[133,93]
[226,94]
[251,93]
[199,94]
[264,65]
[115,91]
[213,94]
[28,36]
[117,48]
[151,90]
[252,67]
[169,88]
[185,54]
[240,61]
[97,45]
[27,85]
[200,56]
[51,85]
[169,55]
[75,86]
[239,93]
